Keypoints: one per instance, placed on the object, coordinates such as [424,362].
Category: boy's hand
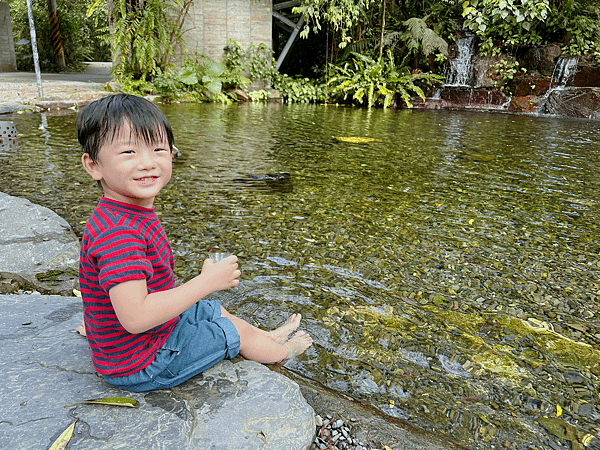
[221,275]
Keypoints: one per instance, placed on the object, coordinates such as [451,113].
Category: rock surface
[46,365]
[574,102]
[38,249]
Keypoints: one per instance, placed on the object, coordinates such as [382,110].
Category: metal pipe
[289,43]
[36,58]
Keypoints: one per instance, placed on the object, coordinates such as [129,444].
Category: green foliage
[257,62]
[579,24]
[260,95]
[371,82]
[78,33]
[421,38]
[143,35]
[514,22]
[299,89]
[365,26]
[506,70]
[573,23]
[199,79]
[342,15]
[131,85]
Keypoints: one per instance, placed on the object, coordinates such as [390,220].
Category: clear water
[448,271]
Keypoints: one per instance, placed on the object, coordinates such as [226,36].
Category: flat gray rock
[45,365]
[11,107]
[38,248]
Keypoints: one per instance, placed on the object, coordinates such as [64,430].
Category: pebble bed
[332,434]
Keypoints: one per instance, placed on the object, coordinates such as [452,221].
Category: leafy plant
[259,95]
[514,23]
[342,15]
[422,40]
[506,70]
[256,62]
[300,89]
[143,35]
[79,34]
[579,24]
[371,82]
[199,78]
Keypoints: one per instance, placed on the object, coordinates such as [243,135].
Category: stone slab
[45,365]
[38,248]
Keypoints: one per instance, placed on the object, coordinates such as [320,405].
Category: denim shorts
[201,339]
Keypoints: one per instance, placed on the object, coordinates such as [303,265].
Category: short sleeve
[121,255]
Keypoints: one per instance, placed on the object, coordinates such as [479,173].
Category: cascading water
[460,90]
[461,68]
[564,70]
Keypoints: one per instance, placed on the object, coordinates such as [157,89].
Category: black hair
[102,120]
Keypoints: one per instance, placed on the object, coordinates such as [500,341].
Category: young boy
[144,331]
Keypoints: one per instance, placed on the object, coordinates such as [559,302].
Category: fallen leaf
[63,440]
[110,401]
[356,139]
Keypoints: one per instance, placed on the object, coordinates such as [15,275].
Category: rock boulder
[38,249]
[46,365]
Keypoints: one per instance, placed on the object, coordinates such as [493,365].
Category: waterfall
[461,68]
[565,68]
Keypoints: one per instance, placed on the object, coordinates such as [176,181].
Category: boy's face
[131,170]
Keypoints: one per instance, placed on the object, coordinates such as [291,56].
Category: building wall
[211,23]
[8,61]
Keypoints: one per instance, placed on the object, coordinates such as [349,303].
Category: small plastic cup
[218,256]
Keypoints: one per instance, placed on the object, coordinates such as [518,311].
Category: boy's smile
[131,170]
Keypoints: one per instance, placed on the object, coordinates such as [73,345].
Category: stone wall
[8,62]
[211,23]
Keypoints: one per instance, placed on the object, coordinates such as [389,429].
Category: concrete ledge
[46,365]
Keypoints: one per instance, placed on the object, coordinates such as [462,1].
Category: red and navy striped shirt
[122,242]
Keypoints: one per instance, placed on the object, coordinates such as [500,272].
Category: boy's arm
[139,311]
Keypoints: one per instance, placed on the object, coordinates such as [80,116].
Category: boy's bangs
[146,123]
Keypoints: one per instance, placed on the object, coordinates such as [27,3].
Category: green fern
[420,37]
[372,82]
[143,35]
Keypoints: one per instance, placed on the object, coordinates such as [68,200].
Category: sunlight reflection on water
[416,260]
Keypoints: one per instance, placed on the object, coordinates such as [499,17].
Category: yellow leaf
[63,440]
[193,167]
[559,411]
[76,293]
[111,401]
[356,139]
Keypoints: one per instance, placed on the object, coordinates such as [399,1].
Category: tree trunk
[382,28]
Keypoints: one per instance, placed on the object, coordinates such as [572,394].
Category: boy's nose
[146,161]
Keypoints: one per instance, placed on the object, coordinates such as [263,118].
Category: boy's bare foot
[297,344]
[280,335]
[81,330]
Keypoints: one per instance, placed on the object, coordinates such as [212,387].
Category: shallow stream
[448,270]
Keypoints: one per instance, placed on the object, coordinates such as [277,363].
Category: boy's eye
[160,149]
[128,152]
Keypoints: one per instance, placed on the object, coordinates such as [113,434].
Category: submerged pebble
[334,434]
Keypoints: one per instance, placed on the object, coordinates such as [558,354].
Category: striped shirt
[122,242]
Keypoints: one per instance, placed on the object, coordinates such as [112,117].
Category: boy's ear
[91,167]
